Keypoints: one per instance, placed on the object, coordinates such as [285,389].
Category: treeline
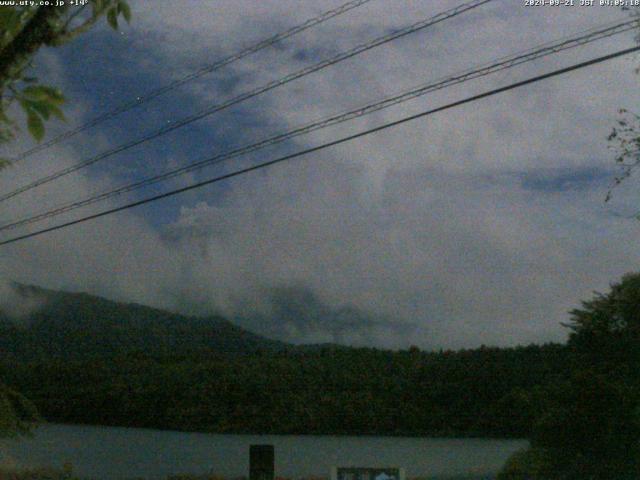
[589,426]
[82,359]
[85,359]
[328,390]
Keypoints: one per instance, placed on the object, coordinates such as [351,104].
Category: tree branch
[38,31]
[67,35]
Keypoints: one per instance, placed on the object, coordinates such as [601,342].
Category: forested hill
[76,326]
[83,359]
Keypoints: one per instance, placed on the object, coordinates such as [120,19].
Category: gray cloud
[418,235]
[18,306]
[297,314]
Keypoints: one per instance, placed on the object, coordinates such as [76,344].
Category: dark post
[261,462]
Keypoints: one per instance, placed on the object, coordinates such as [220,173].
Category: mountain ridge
[87,360]
[78,325]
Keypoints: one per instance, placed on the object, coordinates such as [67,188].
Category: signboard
[365,473]
[261,462]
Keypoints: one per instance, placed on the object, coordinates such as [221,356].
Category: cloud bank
[481,225]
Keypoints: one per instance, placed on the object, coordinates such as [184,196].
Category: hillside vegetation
[84,359]
[78,326]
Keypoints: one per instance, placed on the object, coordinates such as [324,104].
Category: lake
[116,453]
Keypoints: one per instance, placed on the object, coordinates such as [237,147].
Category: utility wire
[192,76]
[503,63]
[253,93]
[326,145]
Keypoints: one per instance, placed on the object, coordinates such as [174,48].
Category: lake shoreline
[434,436]
[158,455]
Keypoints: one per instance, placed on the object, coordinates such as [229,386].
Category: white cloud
[428,223]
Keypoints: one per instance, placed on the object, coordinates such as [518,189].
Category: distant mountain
[67,325]
[83,359]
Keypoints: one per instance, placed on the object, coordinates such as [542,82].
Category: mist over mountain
[84,359]
[54,324]
[296,314]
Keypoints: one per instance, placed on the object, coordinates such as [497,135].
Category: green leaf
[125,10]
[35,125]
[9,18]
[44,93]
[57,112]
[42,108]
[97,7]
[12,20]
[112,18]
[35,92]
[25,104]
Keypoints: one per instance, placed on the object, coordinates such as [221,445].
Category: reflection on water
[116,453]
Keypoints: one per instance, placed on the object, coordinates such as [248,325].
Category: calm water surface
[108,453]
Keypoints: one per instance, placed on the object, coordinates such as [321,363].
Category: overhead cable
[323,146]
[503,63]
[192,76]
[422,24]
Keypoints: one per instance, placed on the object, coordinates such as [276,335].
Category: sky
[482,224]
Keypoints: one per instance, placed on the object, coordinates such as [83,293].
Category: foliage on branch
[605,332]
[625,135]
[23,31]
[17,414]
[624,139]
[591,428]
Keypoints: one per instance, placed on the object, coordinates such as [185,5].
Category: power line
[326,145]
[503,63]
[254,93]
[194,75]
[500,64]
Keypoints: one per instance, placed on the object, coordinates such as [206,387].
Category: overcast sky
[483,224]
